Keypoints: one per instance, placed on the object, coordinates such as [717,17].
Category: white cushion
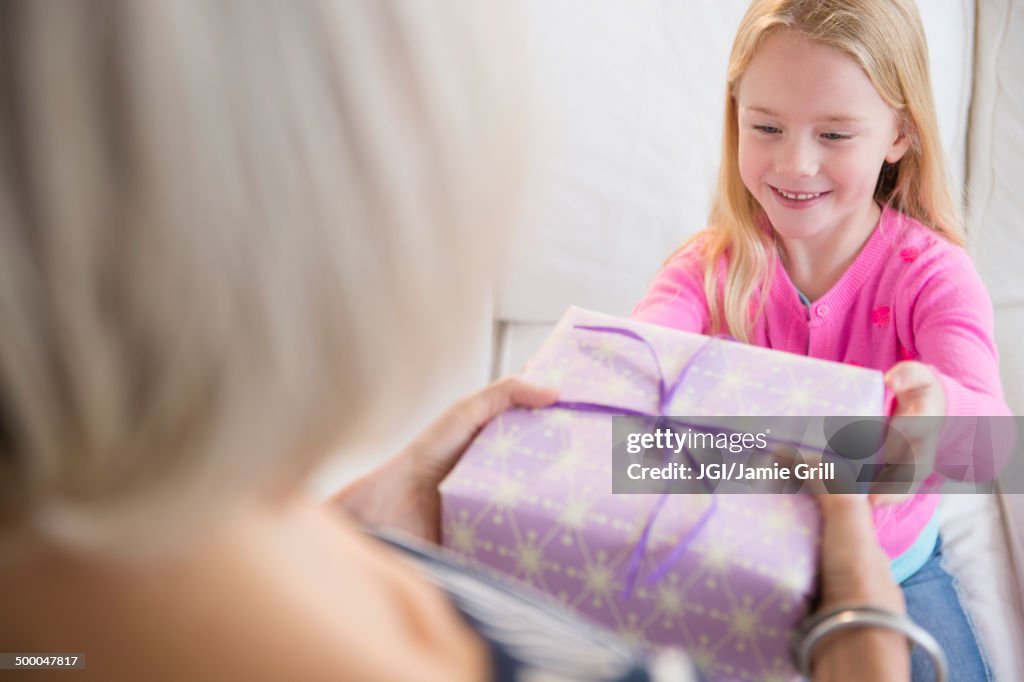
[975,552]
[997,151]
[996,239]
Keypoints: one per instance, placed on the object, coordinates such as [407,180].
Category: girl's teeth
[799,197]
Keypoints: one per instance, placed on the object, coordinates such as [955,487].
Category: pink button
[822,311]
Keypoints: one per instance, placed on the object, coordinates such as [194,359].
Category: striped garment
[531,638]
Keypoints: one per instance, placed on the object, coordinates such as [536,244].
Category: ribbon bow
[665,395]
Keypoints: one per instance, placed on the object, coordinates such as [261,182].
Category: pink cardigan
[910,294]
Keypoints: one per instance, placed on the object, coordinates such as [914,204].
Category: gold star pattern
[507,493]
[574,515]
[546,474]
[462,538]
[598,579]
[528,561]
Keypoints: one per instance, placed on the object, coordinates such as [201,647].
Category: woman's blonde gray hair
[229,229]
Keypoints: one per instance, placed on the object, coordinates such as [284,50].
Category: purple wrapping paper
[532,496]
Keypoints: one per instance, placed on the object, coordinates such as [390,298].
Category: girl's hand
[402,493]
[910,448]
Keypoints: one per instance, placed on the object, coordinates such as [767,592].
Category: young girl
[834,234]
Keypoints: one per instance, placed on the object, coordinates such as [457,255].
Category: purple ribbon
[637,555]
[665,396]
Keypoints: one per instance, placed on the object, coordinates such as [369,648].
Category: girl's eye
[768,130]
[834,137]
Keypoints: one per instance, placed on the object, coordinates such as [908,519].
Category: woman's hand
[910,448]
[855,570]
[402,493]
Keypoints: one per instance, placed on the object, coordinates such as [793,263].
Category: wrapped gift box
[726,577]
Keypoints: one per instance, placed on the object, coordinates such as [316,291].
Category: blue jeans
[934,604]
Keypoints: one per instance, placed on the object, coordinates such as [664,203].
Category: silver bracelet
[824,624]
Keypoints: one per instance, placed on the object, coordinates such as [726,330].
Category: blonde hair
[886,38]
[228,230]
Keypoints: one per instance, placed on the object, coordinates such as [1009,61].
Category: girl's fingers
[917,388]
[908,376]
[912,437]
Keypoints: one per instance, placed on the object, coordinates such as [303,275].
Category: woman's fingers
[465,418]
[440,446]
[403,492]
[479,408]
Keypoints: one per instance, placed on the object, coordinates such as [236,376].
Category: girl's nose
[797,158]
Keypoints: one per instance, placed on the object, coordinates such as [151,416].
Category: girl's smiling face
[813,134]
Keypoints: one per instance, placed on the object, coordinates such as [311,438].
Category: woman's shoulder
[304,596]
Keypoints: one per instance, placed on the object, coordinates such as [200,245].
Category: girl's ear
[899,145]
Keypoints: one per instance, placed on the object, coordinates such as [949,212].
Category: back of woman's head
[886,38]
[223,224]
